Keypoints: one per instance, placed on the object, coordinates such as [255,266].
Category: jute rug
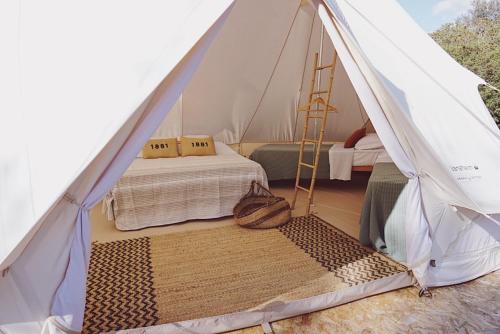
[180,276]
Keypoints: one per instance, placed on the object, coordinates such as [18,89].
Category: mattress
[370,157]
[341,160]
[280,161]
[156,192]
[383,216]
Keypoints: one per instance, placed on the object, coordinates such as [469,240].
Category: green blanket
[280,161]
[384,211]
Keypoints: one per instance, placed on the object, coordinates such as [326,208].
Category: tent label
[466,173]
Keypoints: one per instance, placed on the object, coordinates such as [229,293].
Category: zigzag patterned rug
[338,252]
[180,276]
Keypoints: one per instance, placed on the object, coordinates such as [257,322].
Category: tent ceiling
[254,76]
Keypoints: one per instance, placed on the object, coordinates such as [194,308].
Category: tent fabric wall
[261,69]
[253,94]
[409,100]
[171,126]
[78,69]
[351,113]
[417,234]
[433,112]
[28,289]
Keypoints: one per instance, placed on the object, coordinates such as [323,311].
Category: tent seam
[335,23]
[272,75]
[303,74]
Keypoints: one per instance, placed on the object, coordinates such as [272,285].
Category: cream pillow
[197,146]
[160,148]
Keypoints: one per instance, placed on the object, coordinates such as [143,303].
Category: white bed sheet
[343,159]
[156,192]
[370,157]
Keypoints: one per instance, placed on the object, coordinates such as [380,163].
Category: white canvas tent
[85,85]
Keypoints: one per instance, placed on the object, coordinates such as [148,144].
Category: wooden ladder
[316,108]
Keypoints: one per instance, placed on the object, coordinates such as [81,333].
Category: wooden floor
[472,307]
[337,202]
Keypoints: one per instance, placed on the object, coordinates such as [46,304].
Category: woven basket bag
[259,208]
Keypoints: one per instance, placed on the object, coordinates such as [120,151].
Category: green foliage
[474,41]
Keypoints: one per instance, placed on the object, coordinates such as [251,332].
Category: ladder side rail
[321,135]
[304,134]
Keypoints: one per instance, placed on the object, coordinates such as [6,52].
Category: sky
[431,14]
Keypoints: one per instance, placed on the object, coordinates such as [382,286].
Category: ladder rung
[323,67]
[307,165]
[320,92]
[306,140]
[302,188]
[319,117]
[317,110]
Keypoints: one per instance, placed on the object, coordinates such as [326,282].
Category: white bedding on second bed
[170,190]
[343,159]
[370,157]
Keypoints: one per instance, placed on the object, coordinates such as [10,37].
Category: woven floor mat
[188,275]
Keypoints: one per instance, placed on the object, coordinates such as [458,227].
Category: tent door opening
[316,109]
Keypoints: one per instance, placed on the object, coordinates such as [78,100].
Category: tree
[474,41]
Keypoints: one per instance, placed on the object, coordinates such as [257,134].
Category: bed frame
[362,169]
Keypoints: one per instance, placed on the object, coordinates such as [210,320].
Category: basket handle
[255,188]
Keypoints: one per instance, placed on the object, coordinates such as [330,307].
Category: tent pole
[182,115]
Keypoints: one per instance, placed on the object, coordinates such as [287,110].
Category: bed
[343,161]
[280,161]
[164,191]
[384,211]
